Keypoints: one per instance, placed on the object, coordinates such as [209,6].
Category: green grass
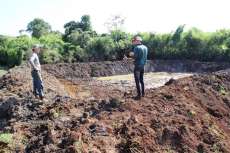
[3,70]
[6,137]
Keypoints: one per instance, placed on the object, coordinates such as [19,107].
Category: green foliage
[12,50]
[14,57]
[192,44]
[122,43]
[6,137]
[80,54]
[74,54]
[22,44]
[86,23]
[82,26]
[101,48]
[53,48]
[71,27]
[80,43]
[52,41]
[79,38]
[38,27]
[50,56]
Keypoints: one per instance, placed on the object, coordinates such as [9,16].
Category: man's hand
[37,69]
[131,54]
[125,58]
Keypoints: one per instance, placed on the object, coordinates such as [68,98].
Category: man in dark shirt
[139,53]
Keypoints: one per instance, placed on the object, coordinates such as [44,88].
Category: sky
[160,16]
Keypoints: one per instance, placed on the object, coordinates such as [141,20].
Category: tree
[83,26]
[114,25]
[52,41]
[70,27]
[11,50]
[38,27]
[101,48]
[122,43]
[178,33]
[53,48]
[50,56]
[86,23]
[78,38]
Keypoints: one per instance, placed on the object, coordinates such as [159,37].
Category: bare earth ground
[96,115]
[3,71]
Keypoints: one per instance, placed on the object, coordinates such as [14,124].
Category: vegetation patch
[6,138]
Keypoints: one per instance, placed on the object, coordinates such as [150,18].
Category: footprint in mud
[83,92]
[76,91]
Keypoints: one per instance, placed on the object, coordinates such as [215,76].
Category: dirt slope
[187,115]
[108,68]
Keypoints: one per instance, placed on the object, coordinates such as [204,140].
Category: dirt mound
[19,81]
[186,115]
[189,115]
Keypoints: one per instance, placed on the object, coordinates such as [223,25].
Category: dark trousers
[37,83]
[139,79]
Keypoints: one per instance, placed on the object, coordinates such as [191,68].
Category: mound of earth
[187,115]
[19,81]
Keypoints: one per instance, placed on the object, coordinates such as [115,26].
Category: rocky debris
[96,129]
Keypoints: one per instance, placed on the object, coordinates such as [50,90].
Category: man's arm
[136,55]
[31,61]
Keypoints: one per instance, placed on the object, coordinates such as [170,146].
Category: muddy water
[152,80]
[86,89]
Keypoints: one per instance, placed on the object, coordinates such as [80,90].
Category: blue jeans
[37,83]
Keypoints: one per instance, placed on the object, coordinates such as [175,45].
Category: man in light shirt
[36,72]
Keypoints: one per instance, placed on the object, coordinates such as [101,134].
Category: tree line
[80,43]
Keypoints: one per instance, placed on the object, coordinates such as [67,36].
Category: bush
[52,41]
[74,53]
[80,43]
[14,57]
[101,48]
[11,51]
[79,54]
[50,56]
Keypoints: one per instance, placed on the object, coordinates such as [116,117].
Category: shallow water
[84,89]
[152,80]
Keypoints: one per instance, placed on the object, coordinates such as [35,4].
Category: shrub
[50,56]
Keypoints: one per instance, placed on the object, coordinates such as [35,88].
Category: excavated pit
[80,79]
[88,109]
[123,83]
